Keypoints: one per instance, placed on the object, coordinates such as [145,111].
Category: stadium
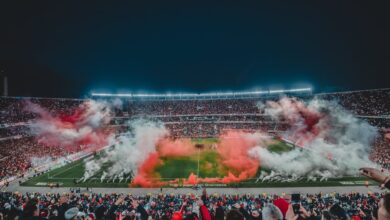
[172,110]
[189,139]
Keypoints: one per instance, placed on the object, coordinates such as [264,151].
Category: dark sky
[49,48]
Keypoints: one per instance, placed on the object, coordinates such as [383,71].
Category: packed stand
[192,107]
[365,103]
[381,152]
[91,206]
[18,155]
[189,118]
[14,114]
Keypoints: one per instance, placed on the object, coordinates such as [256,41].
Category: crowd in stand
[11,131]
[191,118]
[214,129]
[365,103]
[15,110]
[91,206]
[18,155]
[192,107]
[381,153]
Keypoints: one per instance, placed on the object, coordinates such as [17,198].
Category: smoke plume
[129,150]
[330,141]
[83,127]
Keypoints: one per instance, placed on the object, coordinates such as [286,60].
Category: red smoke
[232,149]
[85,126]
[146,177]
[78,115]
[178,147]
[88,125]
[306,123]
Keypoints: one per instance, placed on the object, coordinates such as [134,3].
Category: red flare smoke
[146,177]
[82,127]
[232,149]
[178,147]
[306,123]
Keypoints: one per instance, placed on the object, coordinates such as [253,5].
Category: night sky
[54,49]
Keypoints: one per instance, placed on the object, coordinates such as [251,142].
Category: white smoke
[129,150]
[84,124]
[38,161]
[117,103]
[338,144]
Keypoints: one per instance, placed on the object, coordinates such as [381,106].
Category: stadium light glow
[200,95]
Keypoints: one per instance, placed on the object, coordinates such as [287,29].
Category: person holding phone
[383,211]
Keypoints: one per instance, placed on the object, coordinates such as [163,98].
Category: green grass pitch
[209,166]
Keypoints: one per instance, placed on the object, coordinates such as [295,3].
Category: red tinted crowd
[18,155]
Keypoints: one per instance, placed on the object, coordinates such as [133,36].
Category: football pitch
[204,164]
